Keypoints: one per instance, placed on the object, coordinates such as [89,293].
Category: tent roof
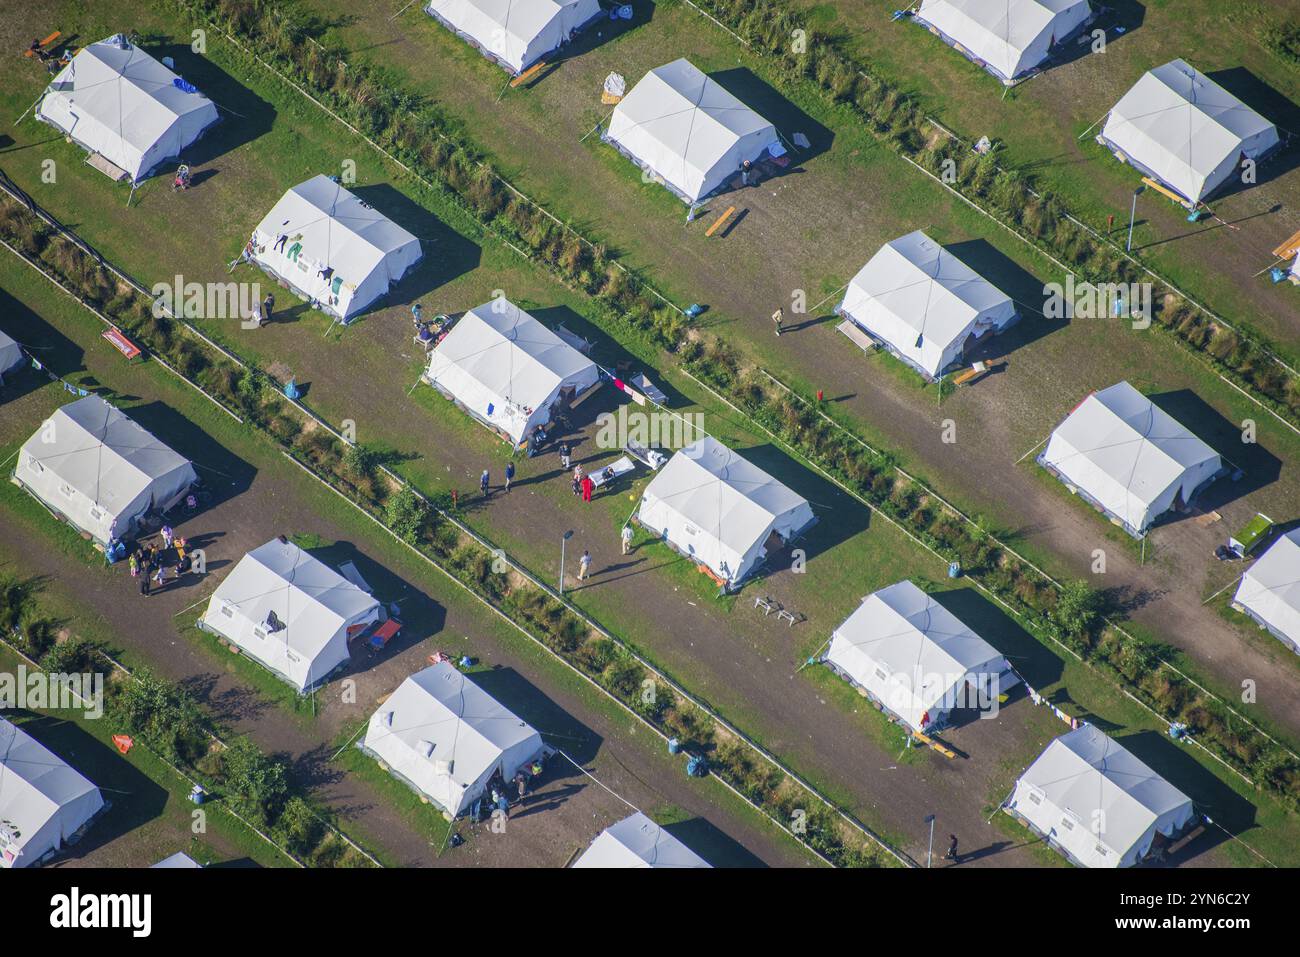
[1085,771]
[925,287]
[1271,586]
[179,860]
[637,841]
[311,599]
[907,631]
[1133,442]
[1182,125]
[442,709]
[510,354]
[693,118]
[101,453]
[35,783]
[507,28]
[1002,34]
[727,496]
[126,91]
[335,227]
[11,354]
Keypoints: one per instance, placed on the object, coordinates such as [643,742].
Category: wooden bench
[528,74]
[856,336]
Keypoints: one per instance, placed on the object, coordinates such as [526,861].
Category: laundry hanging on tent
[184,85]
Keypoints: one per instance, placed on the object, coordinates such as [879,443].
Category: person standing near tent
[584,565]
[564,455]
[510,474]
[952,849]
[268,306]
[778,318]
[745,168]
[588,486]
[417,315]
[626,537]
[166,536]
[483,482]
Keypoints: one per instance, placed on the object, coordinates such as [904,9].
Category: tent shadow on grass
[223,472]
[710,843]
[447,254]
[587,41]
[136,799]
[1262,468]
[59,354]
[558,727]
[1210,795]
[839,515]
[245,116]
[421,616]
[1117,13]
[1022,286]
[778,110]
[1034,662]
[1275,107]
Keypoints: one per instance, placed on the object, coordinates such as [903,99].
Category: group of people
[498,791]
[149,561]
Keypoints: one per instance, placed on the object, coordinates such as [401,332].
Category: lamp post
[929,851]
[563,541]
[1132,215]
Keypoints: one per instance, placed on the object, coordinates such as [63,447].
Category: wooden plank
[1288,248]
[719,221]
[1164,191]
[44,43]
[528,74]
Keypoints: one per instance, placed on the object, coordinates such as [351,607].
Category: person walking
[778,318]
[510,474]
[626,538]
[588,486]
[483,482]
[564,455]
[584,565]
[952,848]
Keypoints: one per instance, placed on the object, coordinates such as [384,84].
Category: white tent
[178,861]
[924,303]
[721,510]
[332,249]
[507,369]
[915,657]
[117,101]
[291,612]
[446,737]
[43,801]
[1129,458]
[688,131]
[637,841]
[1183,129]
[1091,798]
[515,33]
[1270,590]
[101,471]
[11,355]
[1007,39]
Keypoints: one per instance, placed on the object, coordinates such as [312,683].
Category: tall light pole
[563,541]
[929,852]
[1132,215]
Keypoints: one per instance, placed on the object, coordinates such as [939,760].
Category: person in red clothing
[587,487]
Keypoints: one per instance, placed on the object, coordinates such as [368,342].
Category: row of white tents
[44,802]
[1175,124]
